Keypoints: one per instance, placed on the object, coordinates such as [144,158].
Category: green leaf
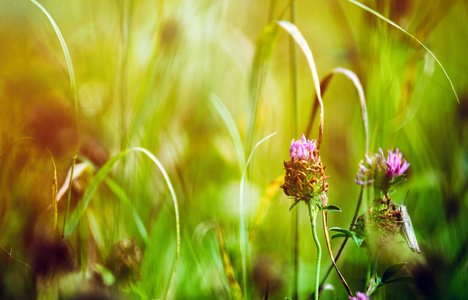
[350,234]
[408,279]
[346,232]
[392,270]
[338,235]
[331,208]
[397,180]
[358,239]
[293,205]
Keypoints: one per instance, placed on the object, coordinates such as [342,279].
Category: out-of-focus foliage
[146,74]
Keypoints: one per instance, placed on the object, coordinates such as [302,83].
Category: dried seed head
[385,220]
[305,174]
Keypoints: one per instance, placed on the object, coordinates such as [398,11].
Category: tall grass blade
[357,84]
[120,193]
[297,35]
[231,127]
[263,51]
[67,56]
[243,232]
[73,91]
[370,10]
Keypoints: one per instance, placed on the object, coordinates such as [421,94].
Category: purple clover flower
[303,149]
[366,169]
[395,163]
[359,296]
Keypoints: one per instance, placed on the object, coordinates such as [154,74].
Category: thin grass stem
[294,125]
[244,237]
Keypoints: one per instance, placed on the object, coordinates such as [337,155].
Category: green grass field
[175,118]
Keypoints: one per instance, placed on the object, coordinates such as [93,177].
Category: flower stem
[327,239]
[312,218]
[343,244]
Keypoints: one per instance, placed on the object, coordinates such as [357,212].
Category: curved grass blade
[120,193]
[297,36]
[67,56]
[74,95]
[231,127]
[263,52]
[370,10]
[243,232]
[101,175]
[357,84]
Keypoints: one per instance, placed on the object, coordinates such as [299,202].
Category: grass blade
[243,232]
[296,34]
[264,48]
[370,10]
[231,127]
[101,176]
[74,95]
[120,193]
[357,84]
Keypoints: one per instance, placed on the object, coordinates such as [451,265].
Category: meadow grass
[193,86]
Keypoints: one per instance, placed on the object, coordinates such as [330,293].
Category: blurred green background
[147,74]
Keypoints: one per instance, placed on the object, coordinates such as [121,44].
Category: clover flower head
[305,177]
[366,169]
[303,149]
[376,166]
[359,296]
[395,163]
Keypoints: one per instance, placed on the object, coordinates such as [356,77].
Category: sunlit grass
[196,84]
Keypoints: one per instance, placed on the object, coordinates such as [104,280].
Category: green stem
[368,274]
[294,119]
[371,277]
[312,218]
